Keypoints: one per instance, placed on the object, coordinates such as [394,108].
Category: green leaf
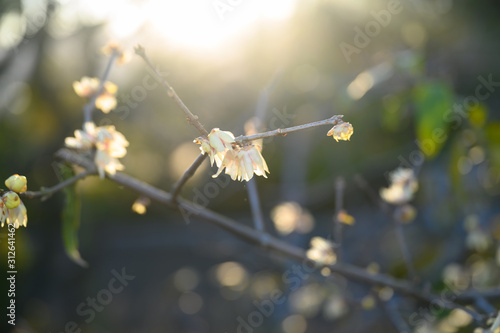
[432,100]
[71,218]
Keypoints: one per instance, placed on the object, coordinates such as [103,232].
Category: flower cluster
[342,131]
[240,161]
[12,209]
[321,251]
[87,87]
[115,48]
[109,143]
[403,187]
[402,190]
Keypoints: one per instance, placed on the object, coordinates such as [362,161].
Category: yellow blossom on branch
[12,209]
[109,143]
[341,131]
[87,87]
[114,47]
[17,183]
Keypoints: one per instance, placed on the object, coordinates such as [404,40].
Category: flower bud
[342,131]
[17,183]
[11,200]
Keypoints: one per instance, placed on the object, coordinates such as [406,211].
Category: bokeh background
[227,59]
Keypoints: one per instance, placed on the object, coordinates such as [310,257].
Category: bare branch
[253,196]
[268,242]
[192,119]
[284,131]
[339,196]
[46,193]
[176,189]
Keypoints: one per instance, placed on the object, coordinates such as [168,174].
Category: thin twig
[362,183]
[404,249]
[192,119]
[337,232]
[176,189]
[87,109]
[253,196]
[284,131]
[392,311]
[273,244]
[46,193]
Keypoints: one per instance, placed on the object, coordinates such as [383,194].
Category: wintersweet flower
[403,187]
[16,216]
[321,251]
[243,163]
[215,145]
[251,161]
[17,183]
[220,140]
[114,47]
[83,140]
[206,148]
[12,209]
[341,131]
[87,87]
[11,200]
[109,143]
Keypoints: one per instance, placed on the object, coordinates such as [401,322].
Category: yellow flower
[11,200]
[12,210]
[232,165]
[241,164]
[321,251]
[251,161]
[206,148]
[341,131]
[87,87]
[403,187]
[110,145]
[17,183]
[220,140]
[83,140]
[114,47]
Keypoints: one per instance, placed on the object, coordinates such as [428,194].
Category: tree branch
[337,232]
[284,131]
[268,242]
[192,119]
[46,193]
[176,189]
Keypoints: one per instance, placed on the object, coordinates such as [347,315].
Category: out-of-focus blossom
[140,205]
[114,47]
[17,183]
[290,216]
[109,143]
[12,209]
[87,87]
[335,307]
[345,218]
[368,302]
[477,238]
[402,188]
[341,131]
[321,251]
